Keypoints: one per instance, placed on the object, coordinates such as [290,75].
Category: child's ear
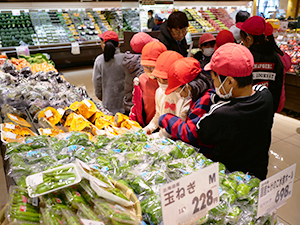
[230,80]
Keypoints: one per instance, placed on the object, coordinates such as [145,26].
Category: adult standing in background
[108,74]
[150,23]
[241,16]
[173,31]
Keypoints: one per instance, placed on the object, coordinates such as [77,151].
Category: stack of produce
[102,22]
[69,26]
[293,50]
[223,17]
[114,18]
[213,20]
[14,29]
[197,24]
[85,25]
[142,164]
[131,20]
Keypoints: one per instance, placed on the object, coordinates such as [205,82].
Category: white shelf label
[274,191]
[47,131]
[26,10]
[10,126]
[188,199]
[11,135]
[91,222]
[13,117]
[87,103]
[48,113]
[61,111]
[16,12]
[36,179]
[75,49]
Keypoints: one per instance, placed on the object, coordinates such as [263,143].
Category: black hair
[273,45]
[241,16]
[206,43]
[257,39]
[241,81]
[178,20]
[150,11]
[110,49]
[200,84]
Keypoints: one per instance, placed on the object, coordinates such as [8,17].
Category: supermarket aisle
[284,151]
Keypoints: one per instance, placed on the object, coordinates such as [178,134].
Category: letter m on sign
[212,178]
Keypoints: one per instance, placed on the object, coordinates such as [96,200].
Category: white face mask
[189,97]
[150,75]
[163,86]
[227,95]
[149,16]
[208,51]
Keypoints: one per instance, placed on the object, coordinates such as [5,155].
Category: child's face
[162,81]
[148,70]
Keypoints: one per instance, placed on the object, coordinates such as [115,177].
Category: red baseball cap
[182,72]
[109,35]
[207,37]
[223,37]
[150,53]
[254,25]
[231,60]
[163,63]
[269,29]
[139,40]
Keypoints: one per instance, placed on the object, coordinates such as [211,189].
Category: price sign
[274,191]
[10,126]
[11,135]
[47,131]
[188,199]
[86,102]
[16,12]
[61,111]
[75,49]
[48,113]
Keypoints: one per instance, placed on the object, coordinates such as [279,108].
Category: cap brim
[148,63]
[207,67]
[101,36]
[169,89]
[160,74]
[240,25]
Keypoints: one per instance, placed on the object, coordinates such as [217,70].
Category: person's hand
[147,130]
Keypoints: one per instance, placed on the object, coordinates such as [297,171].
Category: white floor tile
[284,126]
[294,139]
[275,139]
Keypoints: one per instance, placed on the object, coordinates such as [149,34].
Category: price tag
[91,222]
[22,208]
[75,50]
[188,199]
[58,10]
[10,126]
[26,10]
[16,12]
[48,113]
[274,191]
[280,38]
[22,50]
[46,10]
[86,102]
[11,135]
[61,111]
[13,117]
[36,179]
[47,131]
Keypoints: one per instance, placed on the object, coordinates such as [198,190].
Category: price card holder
[274,191]
[22,50]
[75,50]
[16,12]
[188,199]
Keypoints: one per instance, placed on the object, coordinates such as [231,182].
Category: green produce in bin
[176,153]
[228,196]
[140,186]
[133,159]
[36,142]
[242,191]
[73,196]
[165,158]
[83,155]
[152,207]
[254,182]
[220,211]
[103,162]
[79,139]
[230,183]
[234,213]
[102,141]
[175,165]
[137,147]
[59,145]
[70,218]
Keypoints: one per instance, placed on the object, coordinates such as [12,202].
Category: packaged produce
[52,180]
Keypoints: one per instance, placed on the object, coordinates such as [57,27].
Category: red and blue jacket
[186,130]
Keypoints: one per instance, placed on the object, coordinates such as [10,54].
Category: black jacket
[268,70]
[150,23]
[166,38]
[202,58]
[241,131]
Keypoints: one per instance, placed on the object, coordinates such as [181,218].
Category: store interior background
[285,147]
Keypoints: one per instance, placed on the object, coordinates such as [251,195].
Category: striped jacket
[186,130]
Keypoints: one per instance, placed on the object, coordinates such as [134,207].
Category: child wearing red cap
[268,68]
[240,127]
[171,103]
[285,59]
[108,73]
[132,66]
[186,79]
[207,44]
[145,85]
[223,37]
